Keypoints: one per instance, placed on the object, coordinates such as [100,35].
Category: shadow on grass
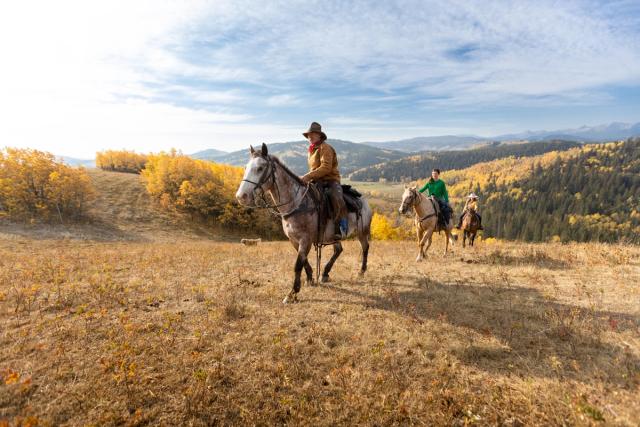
[515,330]
[533,257]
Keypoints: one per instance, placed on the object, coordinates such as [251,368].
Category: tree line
[418,166]
[592,196]
[121,161]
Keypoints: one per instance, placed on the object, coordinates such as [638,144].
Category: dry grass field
[193,332]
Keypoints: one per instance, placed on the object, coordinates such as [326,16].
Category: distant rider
[323,168]
[471,206]
[437,188]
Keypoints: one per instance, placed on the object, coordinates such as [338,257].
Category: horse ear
[264,149]
[252,150]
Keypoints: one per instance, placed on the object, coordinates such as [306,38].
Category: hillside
[351,156]
[122,210]
[420,166]
[593,195]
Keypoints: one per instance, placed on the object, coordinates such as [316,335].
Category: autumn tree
[34,185]
[121,161]
[205,190]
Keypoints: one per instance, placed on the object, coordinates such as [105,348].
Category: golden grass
[194,332]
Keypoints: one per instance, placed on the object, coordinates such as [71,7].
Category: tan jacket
[471,204]
[323,164]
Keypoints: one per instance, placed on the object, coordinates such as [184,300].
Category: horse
[293,201]
[470,226]
[426,219]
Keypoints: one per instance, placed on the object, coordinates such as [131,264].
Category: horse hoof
[311,282]
[361,273]
[418,259]
[291,298]
[325,279]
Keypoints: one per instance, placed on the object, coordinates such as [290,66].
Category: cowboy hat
[315,127]
[472,196]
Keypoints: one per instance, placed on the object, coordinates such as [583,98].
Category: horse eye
[260,168]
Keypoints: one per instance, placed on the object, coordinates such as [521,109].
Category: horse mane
[289,172]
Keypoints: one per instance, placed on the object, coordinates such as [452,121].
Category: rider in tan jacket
[323,168]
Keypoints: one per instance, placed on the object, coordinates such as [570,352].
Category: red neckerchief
[313,146]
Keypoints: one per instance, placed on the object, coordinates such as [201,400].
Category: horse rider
[437,188]
[471,206]
[323,168]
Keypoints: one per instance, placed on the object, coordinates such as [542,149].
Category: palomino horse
[266,174]
[426,219]
[470,226]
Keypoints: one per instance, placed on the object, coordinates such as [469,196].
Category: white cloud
[282,100]
[84,75]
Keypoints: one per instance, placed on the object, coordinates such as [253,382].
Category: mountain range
[355,156]
[352,156]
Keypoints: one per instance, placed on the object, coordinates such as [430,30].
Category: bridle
[409,201]
[269,174]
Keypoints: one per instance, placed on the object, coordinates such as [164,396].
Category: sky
[77,77]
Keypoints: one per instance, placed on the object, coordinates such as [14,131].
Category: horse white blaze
[253,173]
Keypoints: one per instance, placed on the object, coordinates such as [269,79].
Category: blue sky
[81,76]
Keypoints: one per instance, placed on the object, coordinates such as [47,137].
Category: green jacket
[437,189]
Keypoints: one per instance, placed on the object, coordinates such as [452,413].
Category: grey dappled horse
[267,175]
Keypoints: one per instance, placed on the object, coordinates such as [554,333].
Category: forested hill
[593,196]
[420,166]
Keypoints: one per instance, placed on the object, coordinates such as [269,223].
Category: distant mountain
[431,143]
[606,132]
[72,161]
[351,156]
[210,154]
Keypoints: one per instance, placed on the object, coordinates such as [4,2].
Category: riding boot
[336,231]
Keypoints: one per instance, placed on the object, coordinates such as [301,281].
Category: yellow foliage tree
[204,189]
[381,228]
[33,185]
[121,161]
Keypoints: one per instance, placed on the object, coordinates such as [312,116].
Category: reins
[270,174]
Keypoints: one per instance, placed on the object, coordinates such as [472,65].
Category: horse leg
[447,232]
[309,271]
[337,250]
[364,243]
[472,238]
[464,238]
[420,233]
[301,260]
[427,238]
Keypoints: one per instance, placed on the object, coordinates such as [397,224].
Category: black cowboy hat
[315,127]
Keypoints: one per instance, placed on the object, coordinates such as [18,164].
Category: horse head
[409,198]
[258,176]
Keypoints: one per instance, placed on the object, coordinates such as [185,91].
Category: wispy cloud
[228,73]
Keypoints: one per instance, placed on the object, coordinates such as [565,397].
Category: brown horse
[426,219]
[470,227]
[292,199]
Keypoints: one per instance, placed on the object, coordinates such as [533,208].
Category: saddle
[351,196]
[352,199]
[444,212]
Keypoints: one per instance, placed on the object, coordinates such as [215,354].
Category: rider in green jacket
[438,189]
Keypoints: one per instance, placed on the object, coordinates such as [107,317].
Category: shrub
[33,185]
